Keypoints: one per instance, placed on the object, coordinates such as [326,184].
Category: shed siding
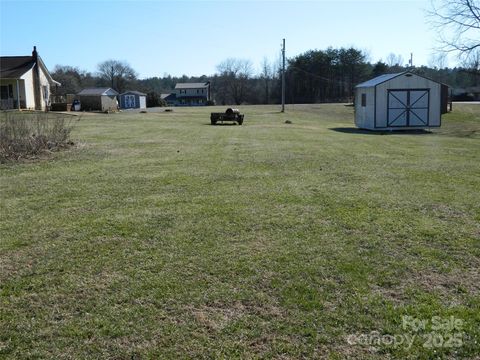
[140,101]
[364,114]
[109,103]
[89,103]
[408,82]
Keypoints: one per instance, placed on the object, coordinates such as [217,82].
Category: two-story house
[192,94]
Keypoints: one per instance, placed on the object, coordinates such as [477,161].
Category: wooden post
[18,95]
[283,76]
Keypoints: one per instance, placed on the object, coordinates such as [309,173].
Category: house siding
[44,95]
[28,90]
[195,96]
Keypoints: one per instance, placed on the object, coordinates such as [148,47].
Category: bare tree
[394,60]
[234,75]
[266,76]
[72,79]
[116,73]
[458,22]
[438,61]
[471,64]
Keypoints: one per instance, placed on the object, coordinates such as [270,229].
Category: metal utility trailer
[230,114]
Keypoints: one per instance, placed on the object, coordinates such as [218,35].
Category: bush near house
[29,133]
[154,100]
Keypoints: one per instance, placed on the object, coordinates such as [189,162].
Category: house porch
[12,94]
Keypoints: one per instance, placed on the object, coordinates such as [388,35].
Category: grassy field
[160,236]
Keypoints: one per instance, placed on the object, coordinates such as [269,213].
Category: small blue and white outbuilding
[133,100]
[398,102]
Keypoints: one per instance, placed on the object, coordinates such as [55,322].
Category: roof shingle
[13,67]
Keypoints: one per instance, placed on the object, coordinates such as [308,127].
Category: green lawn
[160,236]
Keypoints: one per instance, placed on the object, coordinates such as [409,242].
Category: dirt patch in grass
[451,288]
[218,315]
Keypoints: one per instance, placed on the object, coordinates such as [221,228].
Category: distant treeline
[312,77]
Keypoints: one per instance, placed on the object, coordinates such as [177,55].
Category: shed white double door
[408,107]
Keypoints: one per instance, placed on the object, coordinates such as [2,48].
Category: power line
[320,77]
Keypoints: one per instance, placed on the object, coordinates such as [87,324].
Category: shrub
[154,100]
[30,133]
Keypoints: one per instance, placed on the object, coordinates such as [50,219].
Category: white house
[192,94]
[398,101]
[25,82]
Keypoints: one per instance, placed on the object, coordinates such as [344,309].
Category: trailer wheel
[213,122]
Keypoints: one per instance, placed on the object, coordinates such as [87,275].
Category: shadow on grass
[350,130]
[225,124]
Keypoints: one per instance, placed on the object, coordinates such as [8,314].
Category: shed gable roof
[380,79]
[386,77]
[134,92]
[98,92]
[191,85]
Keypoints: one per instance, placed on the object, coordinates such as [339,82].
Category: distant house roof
[379,79]
[133,92]
[171,96]
[191,85]
[13,67]
[98,92]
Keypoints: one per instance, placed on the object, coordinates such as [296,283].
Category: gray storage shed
[100,99]
[133,100]
[398,101]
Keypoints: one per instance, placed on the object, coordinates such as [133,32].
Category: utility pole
[283,76]
[411,60]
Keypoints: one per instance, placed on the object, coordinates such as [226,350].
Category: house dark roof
[379,79]
[98,92]
[191,85]
[13,67]
[134,92]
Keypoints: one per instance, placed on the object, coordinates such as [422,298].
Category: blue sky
[192,37]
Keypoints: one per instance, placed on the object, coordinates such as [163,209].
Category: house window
[45,93]
[364,100]
[4,92]
[198,91]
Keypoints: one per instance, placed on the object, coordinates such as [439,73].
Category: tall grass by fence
[24,134]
